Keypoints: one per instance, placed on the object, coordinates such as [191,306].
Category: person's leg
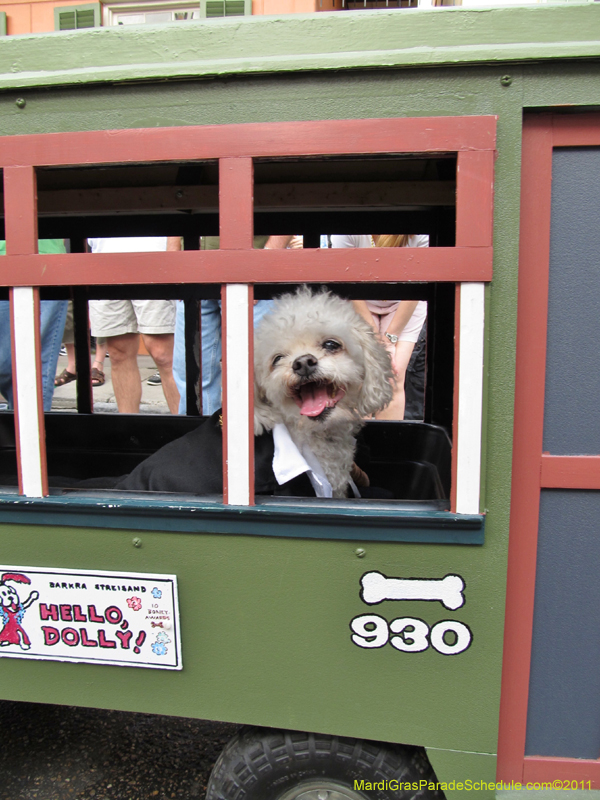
[5,353]
[156,323]
[53,314]
[68,339]
[100,354]
[70,348]
[126,381]
[160,347]
[115,322]
[211,356]
[414,385]
[400,358]
[98,377]
[179,371]
[52,322]
[261,308]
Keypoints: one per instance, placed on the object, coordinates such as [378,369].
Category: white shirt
[289,462]
[129,244]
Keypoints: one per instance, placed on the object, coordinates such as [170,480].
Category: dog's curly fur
[315,345]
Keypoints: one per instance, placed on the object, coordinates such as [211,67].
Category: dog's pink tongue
[314,398]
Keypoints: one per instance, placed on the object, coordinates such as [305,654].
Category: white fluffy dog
[319,369]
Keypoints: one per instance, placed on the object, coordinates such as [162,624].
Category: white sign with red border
[125,619]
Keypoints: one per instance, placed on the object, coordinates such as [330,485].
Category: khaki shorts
[384,316]
[116,317]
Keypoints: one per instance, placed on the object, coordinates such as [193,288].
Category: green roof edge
[301,42]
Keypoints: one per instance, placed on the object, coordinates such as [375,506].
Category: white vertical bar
[470,398]
[238,387]
[29,426]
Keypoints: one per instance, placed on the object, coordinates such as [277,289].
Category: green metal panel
[464,772]
[305,42]
[295,521]
[266,637]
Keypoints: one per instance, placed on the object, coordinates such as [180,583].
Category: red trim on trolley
[234,146]
[542,769]
[534,253]
[20,212]
[254,140]
[570,472]
[533,469]
[580,131]
[236,203]
[367,265]
[474,198]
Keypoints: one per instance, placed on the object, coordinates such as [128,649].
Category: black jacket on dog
[193,464]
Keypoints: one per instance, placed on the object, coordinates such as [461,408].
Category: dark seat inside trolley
[311,197]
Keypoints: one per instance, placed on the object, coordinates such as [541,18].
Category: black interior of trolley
[95,442]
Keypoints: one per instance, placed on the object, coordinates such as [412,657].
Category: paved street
[63,753]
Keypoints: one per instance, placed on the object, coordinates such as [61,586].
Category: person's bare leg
[101,349]
[70,348]
[160,347]
[400,358]
[125,373]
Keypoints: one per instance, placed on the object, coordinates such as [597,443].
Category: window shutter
[2,23]
[225,8]
[69,18]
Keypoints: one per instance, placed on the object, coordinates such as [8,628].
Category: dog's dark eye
[276,360]
[331,345]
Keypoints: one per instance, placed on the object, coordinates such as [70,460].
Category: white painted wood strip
[29,426]
[237,309]
[470,398]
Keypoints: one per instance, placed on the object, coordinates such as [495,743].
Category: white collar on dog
[289,462]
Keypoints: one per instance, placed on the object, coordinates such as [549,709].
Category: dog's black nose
[304,365]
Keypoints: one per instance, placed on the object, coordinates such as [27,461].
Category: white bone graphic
[449,590]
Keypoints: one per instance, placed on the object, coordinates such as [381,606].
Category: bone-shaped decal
[449,590]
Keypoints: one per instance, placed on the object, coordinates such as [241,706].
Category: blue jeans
[211,352]
[53,314]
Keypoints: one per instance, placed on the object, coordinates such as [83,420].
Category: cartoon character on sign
[12,611]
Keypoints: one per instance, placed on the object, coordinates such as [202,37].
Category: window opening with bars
[181,193]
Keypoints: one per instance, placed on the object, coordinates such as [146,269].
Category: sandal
[64,377]
[98,377]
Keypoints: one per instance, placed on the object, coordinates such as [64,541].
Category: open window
[427,176]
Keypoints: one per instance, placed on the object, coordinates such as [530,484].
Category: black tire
[267,764]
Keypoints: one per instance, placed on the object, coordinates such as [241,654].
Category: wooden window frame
[533,469]
[468,263]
